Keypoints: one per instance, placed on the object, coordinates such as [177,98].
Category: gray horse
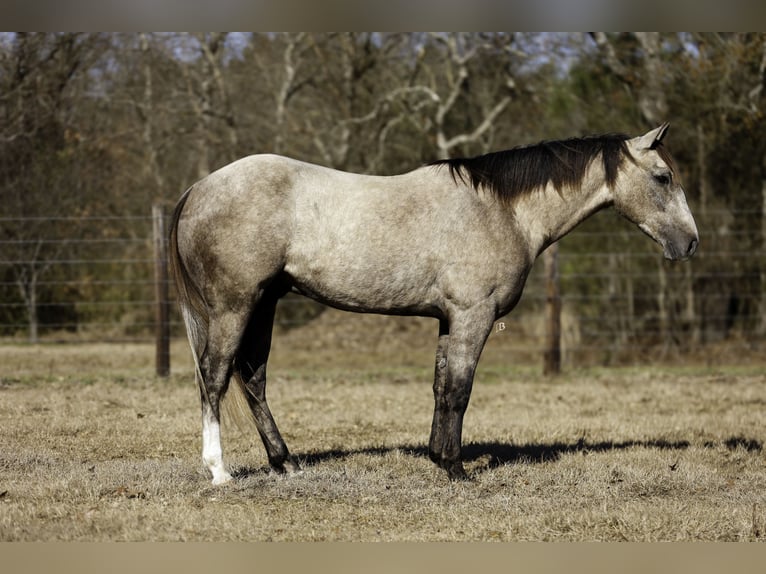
[453,240]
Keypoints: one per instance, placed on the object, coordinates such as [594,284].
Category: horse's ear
[651,140]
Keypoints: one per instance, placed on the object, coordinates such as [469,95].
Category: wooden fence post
[552,353]
[162,325]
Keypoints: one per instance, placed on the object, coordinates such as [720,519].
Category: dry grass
[95,448]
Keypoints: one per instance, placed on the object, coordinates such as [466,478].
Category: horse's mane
[511,173]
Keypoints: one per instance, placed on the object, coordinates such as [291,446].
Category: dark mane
[508,174]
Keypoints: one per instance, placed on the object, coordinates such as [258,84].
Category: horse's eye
[662,179]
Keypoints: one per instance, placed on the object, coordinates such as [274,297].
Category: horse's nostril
[692,247]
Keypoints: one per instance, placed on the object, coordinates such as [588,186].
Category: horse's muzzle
[681,249]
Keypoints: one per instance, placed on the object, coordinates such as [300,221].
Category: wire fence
[87,279]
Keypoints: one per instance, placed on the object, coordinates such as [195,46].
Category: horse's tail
[194,309]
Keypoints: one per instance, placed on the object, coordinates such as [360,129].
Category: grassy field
[94,447]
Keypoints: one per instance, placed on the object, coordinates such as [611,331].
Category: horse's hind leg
[224,333]
[251,362]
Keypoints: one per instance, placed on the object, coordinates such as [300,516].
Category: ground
[95,447]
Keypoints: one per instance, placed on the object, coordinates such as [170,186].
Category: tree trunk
[630,312]
[34,321]
[201,129]
[147,115]
[27,283]
[704,176]
[286,91]
[212,49]
[662,306]
[651,98]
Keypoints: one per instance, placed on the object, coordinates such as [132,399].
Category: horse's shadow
[481,457]
[494,454]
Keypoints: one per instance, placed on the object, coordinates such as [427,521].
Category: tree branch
[481,128]
[610,54]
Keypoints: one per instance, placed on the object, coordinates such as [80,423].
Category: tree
[42,153]
[729,74]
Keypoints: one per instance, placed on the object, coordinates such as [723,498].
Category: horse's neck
[549,215]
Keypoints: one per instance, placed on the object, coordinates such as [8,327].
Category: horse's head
[649,193]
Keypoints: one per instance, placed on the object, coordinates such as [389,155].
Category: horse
[453,240]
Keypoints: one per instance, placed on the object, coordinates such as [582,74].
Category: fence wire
[85,279]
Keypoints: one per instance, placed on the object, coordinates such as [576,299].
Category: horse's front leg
[440,386]
[456,357]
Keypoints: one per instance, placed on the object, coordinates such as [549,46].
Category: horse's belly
[363,286]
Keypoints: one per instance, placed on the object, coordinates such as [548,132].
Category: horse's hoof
[221,479]
[456,473]
[289,467]
[293,468]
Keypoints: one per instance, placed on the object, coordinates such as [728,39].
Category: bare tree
[289,85]
[215,132]
[438,89]
[41,76]
[434,89]
[741,97]
[147,113]
[281,63]
[645,83]
[217,101]
[461,50]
